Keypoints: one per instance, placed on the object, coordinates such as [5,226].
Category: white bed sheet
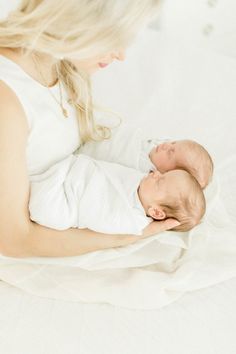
[201,322]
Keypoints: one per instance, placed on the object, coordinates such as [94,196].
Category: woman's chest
[52,137]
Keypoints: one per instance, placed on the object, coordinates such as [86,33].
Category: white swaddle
[86,193]
[134,154]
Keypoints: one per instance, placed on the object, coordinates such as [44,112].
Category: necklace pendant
[65,113]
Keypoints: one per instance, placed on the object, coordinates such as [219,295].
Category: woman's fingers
[156,227]
[169,224]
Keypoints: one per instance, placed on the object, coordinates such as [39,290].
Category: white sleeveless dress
[52,137]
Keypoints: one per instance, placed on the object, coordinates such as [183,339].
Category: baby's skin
[174,194]
[183,154]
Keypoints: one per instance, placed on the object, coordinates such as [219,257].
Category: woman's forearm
[42,241]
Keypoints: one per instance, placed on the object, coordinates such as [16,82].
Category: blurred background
[202,23]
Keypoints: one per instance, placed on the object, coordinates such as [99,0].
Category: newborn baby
[164,155]
[82,192]
[180,154]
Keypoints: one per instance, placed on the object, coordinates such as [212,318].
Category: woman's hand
[156,227]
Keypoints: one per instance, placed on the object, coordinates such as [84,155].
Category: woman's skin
[19,236]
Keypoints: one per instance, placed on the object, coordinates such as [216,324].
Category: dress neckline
[27,75]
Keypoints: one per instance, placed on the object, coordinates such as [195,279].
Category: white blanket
[131,148]
[181,92]
[82,192]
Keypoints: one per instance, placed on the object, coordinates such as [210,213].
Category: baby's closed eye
[171,152]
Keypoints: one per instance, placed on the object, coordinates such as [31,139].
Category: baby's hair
[189,207]
[81,28]
[199,164]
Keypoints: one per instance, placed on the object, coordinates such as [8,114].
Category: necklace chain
[64,110]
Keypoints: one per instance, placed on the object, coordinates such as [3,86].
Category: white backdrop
[208,24]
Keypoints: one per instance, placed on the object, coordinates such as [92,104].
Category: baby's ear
[156,213]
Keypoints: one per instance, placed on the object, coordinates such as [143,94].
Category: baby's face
[157,187]
[168,156]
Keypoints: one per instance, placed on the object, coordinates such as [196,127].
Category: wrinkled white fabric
[82,192]
[133,153]
[166,90]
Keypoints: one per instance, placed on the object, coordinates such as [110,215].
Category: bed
[201,322]
[180,91]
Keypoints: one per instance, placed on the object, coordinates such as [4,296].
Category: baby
[164,155]
[82,192]
[168,155]
[173,194]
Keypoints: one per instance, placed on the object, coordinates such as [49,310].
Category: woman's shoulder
[11,110]
[5,91]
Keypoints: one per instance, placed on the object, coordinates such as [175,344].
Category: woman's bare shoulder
[11,110]
[5,90]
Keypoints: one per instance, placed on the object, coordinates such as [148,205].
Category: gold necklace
[64,110]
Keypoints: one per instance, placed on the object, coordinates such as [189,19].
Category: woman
[48,50]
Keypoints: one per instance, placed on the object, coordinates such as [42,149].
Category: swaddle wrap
[82,192]
[135,154]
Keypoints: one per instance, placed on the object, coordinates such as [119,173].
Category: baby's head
[184,154]
[174,194]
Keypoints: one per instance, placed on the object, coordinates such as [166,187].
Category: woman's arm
[46,242]
[14,185]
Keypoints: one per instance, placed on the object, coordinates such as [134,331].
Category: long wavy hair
[81,28]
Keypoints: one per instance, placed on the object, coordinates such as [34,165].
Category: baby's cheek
[159,163]
[163,164]
[154,156]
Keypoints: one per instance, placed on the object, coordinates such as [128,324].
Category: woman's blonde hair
[85,28]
